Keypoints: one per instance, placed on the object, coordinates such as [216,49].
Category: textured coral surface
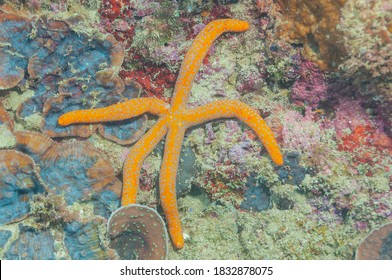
[319,72]
[314,23]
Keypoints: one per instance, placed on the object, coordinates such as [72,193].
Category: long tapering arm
[116,112]
[196,53]
[245,113]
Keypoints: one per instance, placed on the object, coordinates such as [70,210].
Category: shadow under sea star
[173,121]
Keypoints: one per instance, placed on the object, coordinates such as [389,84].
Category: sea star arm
[236,109]
[196,53]
[167,183]
[116,112]
[135,158]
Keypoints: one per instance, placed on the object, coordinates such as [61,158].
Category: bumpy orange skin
[173,122]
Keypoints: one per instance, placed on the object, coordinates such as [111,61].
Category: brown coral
[314,23]
[138,232]
[58,58]
[76,170]
[377,245]
[11,70]
[19,181]
[5,119]
[74,93]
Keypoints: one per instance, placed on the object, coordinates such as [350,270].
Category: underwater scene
[195,129]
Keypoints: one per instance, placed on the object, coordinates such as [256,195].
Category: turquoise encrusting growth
[32,244]
[4,237]
[65,66]
[14,54]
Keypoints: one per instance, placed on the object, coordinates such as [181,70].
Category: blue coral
[32,245]
[54,54]
[18,183]
[75,170]
[291,172]
[257,196]
[17,47]
[4,237]
[83,242]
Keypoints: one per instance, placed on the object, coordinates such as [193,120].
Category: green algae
[112,151]
[7,139]
[13,99]
[219,232]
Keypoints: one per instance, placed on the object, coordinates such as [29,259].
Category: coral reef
[32,245]
[318,71]
[67,66]
[83,241]
[39,196]
[147,29]
[174,119]
[19,181]
[366,28]
[15,53]
[138,232]
[74,169]
[377,245]
[314,23]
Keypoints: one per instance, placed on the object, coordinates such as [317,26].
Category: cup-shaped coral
[138,232]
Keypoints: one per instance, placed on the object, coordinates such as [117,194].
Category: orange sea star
[173,121]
